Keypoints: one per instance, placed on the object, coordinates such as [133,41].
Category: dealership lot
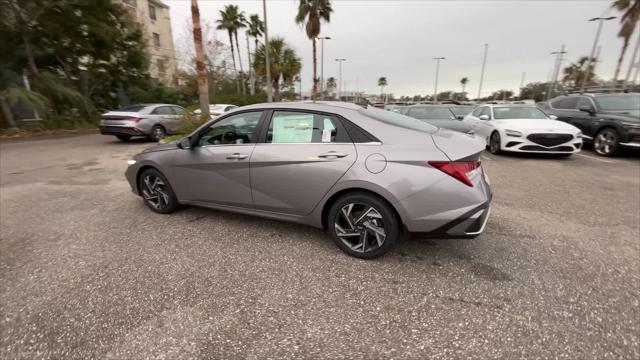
[87,271]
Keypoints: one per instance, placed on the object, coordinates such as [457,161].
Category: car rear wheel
[157,133]
[494,143]
[123,137]
[363,226]
[157,192]
[606,142]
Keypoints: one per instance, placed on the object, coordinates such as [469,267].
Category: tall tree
[227,22]
[382,82]
[284,64]
[255,30]
[629,22]
[311,12]
[464,81]
[239,22]
[203,81]
[577,73]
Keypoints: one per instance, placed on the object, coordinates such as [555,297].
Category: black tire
[494,143]
[157,133]
[606,142]
[370,242]
[564,155]
[124,138]
[158,196]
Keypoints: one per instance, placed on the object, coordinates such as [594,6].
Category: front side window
[163,110]
[619,102]
[584,103]
[477,112]
[518,113]
[461,111]
[236,129]
[485,111]
[568,103]
[177,110]
[287,127]
[434,113]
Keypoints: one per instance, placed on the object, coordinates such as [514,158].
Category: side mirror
[587,109]
[185,143]
[460,117]
[484,117]
[553,117]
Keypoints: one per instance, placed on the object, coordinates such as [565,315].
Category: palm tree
[313,11]
[464,82]
[203,79]
[331,84]
[255,30]
[284,63]
[382,82]
[577,73]
[227,22]
[629,20]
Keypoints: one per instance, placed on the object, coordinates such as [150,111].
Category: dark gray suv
[610,120]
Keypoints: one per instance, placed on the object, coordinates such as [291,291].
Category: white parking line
[598,159]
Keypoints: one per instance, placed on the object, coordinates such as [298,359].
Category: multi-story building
[155,21]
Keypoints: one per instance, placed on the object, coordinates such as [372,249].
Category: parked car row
[154,121]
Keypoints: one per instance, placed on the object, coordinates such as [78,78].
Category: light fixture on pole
[588,66]
[322,39]
[435,89]
[340,78]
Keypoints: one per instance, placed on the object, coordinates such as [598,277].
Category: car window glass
[177,110]
[521,112]
[565,103]
[477,112]
[299,127]
[460,111]
[163,110]
[619,102]
[236,129]
[433,113]
[486,111]
[395,119]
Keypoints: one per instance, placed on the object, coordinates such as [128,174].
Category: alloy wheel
[494,144]
[360,227]
[605,142]
[154,192]
[158,133]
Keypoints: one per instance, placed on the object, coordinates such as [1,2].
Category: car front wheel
[157,192]
[157,133]
[494,143]
[363,225]
[606,142]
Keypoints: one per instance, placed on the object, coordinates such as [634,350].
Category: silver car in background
[442,116]
[216,110]
[154,121]
[365,175]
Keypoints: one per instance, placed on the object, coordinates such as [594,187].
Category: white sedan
[216,110]
[523,128]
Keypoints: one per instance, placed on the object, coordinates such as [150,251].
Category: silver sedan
[365,175]
[149,120]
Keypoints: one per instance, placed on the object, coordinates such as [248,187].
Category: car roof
[598,94]
[509,105]
[328,106]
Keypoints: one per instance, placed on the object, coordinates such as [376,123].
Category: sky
[398,39]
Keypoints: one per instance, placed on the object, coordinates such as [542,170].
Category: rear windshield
[393,118]
[132,108]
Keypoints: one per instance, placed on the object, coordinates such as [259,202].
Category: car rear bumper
[467,226]
[120,130]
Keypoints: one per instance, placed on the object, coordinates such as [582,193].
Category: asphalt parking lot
[86,271]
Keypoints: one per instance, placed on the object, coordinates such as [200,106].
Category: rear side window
[565,103]
[289,127]
[392,118]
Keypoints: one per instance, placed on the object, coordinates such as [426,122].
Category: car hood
[162,147]
[535,124]
[626,114]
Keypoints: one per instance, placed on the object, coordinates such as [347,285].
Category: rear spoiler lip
[471,157]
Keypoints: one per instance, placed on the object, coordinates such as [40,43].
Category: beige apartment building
[155,20]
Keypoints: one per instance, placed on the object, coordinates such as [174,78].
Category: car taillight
[457,169]
[134,119]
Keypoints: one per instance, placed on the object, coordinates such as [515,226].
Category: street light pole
[556,70]
[340,78]
[266,52]
[322,39]
[589,68]
[435,89]
[484,62]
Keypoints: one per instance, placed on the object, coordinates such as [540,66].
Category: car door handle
[332,155]
[237,156]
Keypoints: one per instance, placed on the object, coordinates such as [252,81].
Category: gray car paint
[149,118]
[291,183]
